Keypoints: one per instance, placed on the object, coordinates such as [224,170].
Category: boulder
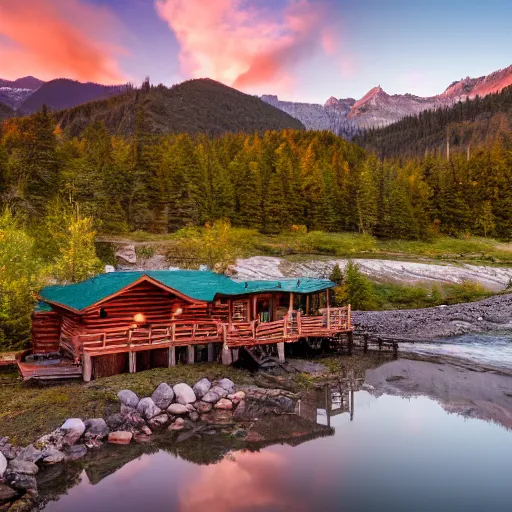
[73,429]
[96,428]
[227,384]
[76,452]
[194,416]
[177,409]
[214,395]
[203,407]
[218,417]
[3,464]
[237,397]
[120,437]
[6,493]
[22,467]
[114,421]
[202,387]
[178,424]
[184,394]
[147,408]
[224,403]
[159,421]
[126,409]
[163,395]
[52,456]
[128,397]
[146,430]
[126,253]
[6,448]
[23,482]
[30,453]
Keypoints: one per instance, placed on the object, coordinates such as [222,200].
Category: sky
[301,50]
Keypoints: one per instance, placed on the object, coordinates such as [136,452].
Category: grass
[28,411]
[394,296]
[248,242]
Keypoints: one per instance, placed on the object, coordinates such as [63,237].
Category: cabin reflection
[331,399]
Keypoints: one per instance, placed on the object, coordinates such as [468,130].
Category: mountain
[27,82]
[64,93]
[378,108]
[467,125]
[194,106]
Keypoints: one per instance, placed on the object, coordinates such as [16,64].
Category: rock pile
[195,410]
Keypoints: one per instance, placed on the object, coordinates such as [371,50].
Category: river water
[387,454]
[484,349]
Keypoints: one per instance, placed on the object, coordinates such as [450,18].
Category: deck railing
[290,328]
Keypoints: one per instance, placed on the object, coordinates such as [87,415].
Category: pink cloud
[243,44]
[59,38]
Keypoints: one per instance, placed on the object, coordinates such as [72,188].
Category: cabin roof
[198,285]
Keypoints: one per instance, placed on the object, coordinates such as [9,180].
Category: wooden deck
[49,370]
[236,334]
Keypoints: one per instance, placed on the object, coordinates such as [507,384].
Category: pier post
[132,362]
[172,357]
[350,336]
[365,348]
[86,367]
[211,352]
[280,351]
[227,358]
[191,354]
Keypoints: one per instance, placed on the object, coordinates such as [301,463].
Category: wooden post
[350,336]
[307,304]
[280,351]
[395,350]
[351,405]
[172,356]
[290,308]
[365,347]
[86,367]
[211,352]
[191,353]
[234,353]
[227,358]
[349,316]
[132,362]
[328,310]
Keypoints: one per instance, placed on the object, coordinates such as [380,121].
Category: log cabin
[131,321]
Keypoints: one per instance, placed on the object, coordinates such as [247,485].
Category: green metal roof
[196,284]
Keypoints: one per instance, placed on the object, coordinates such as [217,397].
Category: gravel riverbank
[489,315]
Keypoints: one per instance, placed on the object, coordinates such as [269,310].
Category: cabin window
[240,311]
[103,313]
[299,302]
[283,304]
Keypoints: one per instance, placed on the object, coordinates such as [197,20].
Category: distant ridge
[194,106]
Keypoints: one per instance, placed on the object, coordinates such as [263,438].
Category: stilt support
[172,356]
[132,362]
[211,352]
[227,358]
[191,354]
[280,351]
[234,353]
[87,367]
[365,347]
[350,336]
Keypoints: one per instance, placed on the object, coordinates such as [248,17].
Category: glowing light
[139,318]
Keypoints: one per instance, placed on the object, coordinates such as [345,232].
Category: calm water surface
[486,349]
[395,454]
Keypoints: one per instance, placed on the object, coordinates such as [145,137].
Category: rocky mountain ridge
[378,108]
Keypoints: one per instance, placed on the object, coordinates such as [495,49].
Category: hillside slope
[195,106]
[63,93]
[5,111]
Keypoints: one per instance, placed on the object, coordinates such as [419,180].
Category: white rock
[184,394]
[127,253]
[147,408]
[3,464]
[202,387]
[227,384]
[177,409]
[163,395]
[128,397]
[73,429]
[214,395]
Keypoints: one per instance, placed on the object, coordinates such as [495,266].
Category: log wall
[45,332]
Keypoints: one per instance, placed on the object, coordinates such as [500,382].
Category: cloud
[244,44]
[59,38]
